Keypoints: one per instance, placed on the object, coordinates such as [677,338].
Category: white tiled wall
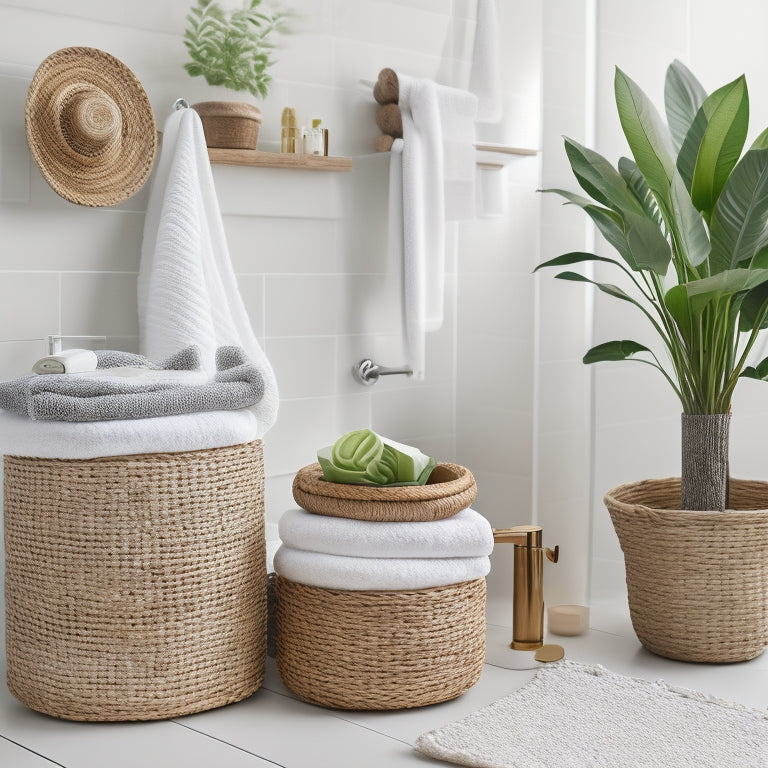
[309,248]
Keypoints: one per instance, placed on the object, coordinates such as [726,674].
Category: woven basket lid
[90,127]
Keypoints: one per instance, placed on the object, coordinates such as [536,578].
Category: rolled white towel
[467,534]
[318,569]
[68,361]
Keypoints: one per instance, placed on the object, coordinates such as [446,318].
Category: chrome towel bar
[367,372]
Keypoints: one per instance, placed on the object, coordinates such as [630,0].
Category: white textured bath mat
[576,716]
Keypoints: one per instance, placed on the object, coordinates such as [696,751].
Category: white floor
[272,728]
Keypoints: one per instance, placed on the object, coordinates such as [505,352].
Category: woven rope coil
[450,489]
[135,585]
[697,581]
[380,650]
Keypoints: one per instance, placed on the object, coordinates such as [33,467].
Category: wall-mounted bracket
[367,372]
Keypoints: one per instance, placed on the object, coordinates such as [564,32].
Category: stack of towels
[84,405]
[340,553]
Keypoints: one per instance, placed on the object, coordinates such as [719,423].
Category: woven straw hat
[90,127]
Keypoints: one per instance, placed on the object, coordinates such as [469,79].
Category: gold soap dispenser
[528,588]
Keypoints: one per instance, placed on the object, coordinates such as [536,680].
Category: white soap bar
[568,619]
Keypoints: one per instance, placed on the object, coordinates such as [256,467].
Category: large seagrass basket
[135,585]
[380,650]
[697,582]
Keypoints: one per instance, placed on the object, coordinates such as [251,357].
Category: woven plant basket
[380,650]
[229,124]
[135,585]
[697,581]
[450,489]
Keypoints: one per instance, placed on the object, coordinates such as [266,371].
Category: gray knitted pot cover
[705,461]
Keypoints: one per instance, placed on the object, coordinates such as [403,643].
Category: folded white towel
[20,436]
[187,290]
[467,534]
[485,75]
[68,361]
[318,569]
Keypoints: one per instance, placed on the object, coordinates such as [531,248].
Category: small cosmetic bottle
[288,130]
[319,138]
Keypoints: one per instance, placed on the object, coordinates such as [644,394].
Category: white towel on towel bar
[187,290]
[485,75]
[318,569]
[437,170]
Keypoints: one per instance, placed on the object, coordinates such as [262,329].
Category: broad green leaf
[683,95]
[738,226]
[721,145]
[676,301]
[637,239]
[753,307]
[613,350]
[649,248]
[639,186]
[599,178]
[609,288]
[761,142]
[759,372]
[686,223]
[722,285]
[689,151]
[574,257]
[607,221]
[646,134]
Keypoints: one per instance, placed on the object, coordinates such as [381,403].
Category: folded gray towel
[62,397]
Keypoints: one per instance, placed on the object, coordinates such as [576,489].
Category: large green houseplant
[687,217]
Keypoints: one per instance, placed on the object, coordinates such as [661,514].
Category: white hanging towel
[485,74]
[432,175]
[187,290]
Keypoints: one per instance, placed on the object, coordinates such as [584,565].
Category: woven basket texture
[697,581]
[229,125]
[450,489]
[135,585]
[380,650]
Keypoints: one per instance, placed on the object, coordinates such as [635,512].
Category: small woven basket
[135,585]
[697,582]
[229,124]
[450,489]
[380,650]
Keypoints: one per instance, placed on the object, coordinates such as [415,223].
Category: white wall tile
[99,304]
[282,246]
[22,291]
[18,357]
[304,366]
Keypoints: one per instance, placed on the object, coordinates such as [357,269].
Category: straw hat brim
[94,179]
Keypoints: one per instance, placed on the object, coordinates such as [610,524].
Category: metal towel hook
[180,104]
[367,372]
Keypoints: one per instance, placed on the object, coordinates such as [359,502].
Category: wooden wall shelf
[258,159]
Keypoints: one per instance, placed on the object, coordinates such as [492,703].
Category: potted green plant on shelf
[688,218]
[232,49]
